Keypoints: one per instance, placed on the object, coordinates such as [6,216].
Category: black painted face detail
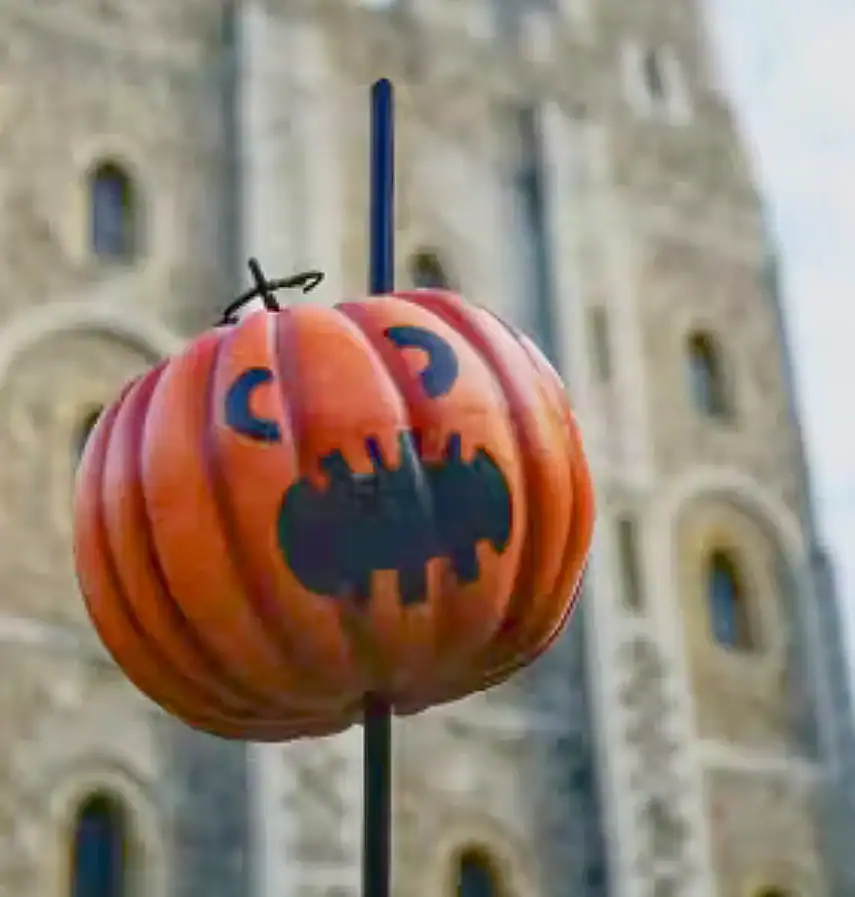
[437,379]
[442,370]
[332,539]
[239,415]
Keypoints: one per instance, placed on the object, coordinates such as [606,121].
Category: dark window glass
[599,324]
[705,376]
[475,877]
[427,272]
[98,867]
[627,537]
[113,214]
[653,75]
[727,604]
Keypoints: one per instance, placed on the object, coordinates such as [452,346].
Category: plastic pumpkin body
[389,497]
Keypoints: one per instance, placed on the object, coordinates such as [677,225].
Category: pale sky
[788,64]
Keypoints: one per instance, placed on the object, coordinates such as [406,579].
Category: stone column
[564,166]
[290,149]
[321,104]
[269,177]
[307,800]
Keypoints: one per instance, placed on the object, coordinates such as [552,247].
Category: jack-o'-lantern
[309,504]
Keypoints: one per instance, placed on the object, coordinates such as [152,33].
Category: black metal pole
[377,744]
[377,809]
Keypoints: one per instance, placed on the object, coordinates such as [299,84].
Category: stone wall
[740,696]
[762,834]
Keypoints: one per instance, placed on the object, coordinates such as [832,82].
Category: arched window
[84,429]
[428,273]
[113,213]
[99,849]
[475,876]
[706,376]
[728,606]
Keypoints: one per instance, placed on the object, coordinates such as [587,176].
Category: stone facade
[639,757]
[739,699]
[782,852]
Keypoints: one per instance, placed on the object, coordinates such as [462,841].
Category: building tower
[571,163]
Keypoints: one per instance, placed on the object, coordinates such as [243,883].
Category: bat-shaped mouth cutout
[334,537]
[266,290]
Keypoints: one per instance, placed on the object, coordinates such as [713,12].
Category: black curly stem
[266,290]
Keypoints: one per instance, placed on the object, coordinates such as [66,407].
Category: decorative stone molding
[146,846]
[659,812]
[675,494]
[154,220]
[78,729]
[513,863]
[101,313]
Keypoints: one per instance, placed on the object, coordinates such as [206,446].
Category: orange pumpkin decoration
[315,504]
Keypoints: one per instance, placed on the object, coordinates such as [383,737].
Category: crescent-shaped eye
[442,369]
[239,414]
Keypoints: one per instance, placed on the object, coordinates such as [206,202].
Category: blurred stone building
[574,164]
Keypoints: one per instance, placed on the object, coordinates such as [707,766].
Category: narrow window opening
[475,876]
[113,211]
[706,377]
[728,604]
[630,568]
[99,849]
[600,341]
[653,77]
[428,273]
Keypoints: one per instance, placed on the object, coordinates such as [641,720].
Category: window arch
[113,213]
[84,430]
[427,272]
[706,377]
[476,875]
[728,603]
[99,851]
